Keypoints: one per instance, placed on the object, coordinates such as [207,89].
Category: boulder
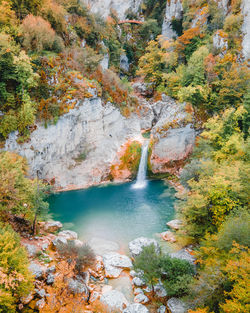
[77,287]
[137,291]
[59,240]
[141,298]
[183,254]
[138,282]
[50,279]
[94,296]
[27,299]
[68,234]
[114,263]
[175,224]
[176,306]
[106,288]
[136,308]
[40,304]
[31,249]
[160,291]
[37,270]
[170,151]
[52,226]
[168,236]
[41,293]
[162,309]
[114,299]
[136,246]
[51,269]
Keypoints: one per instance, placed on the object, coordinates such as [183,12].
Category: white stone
[136,308]
[174,224]
[52,226]
[137,291]
[141,298]
[183,254]
[138,282]
[176,306]
[162,309]
[160,291]
[59,241]
[136,246]
[114,263]
[68,234]
[114,300]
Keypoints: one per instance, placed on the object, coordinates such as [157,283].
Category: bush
[37,33]
[15,278]
[175,274]
[83,256]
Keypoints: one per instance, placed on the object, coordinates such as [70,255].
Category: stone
[183,254]
[78,243]
[28,299]
[77,287]
[136,246]
[114,263]
[68,234]
[168,236]
[141,298]
[137,291]
[50,279]
[162,309]
[138,282]
[176,306]
[59,240]
[94,296]
[45,246]
[133,273]
[114,300]
[174,224]
[40,304]
[37,270]
[160,291]
[136,308]
[52,226]
[51,269]
[124,63]
[41,293]
[31,249]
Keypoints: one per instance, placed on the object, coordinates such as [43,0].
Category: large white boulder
[136,308]
[115,263]
[136,246]
[68,234]
[52,226]
[114,299]
[174,224]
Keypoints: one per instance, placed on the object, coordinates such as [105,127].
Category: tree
[147,263]
[15,278]
[37,33]
[17,192]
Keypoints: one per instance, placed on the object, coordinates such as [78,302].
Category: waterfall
[141,176]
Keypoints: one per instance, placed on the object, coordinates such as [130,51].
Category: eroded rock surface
[115,263]
[136,246]
[114,300]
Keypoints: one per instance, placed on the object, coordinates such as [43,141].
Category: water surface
[115,212]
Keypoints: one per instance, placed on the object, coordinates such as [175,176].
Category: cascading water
[141,181]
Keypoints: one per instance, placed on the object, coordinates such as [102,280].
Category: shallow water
[115,212]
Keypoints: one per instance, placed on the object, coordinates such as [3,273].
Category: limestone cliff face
[246,29]
[79,149]
[173,10]
[103,7]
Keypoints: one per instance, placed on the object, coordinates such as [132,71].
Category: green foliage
[15,278]
[18,194]
[175,274]
[82,256]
